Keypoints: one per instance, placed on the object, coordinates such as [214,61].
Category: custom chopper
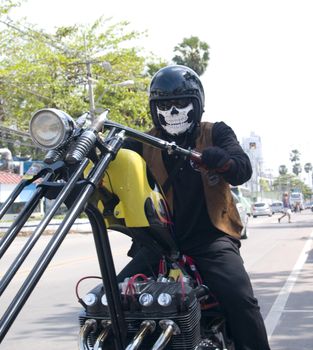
[87,169]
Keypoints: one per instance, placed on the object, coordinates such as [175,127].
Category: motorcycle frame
[109,147]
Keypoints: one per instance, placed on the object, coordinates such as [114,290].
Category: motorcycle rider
[207,225]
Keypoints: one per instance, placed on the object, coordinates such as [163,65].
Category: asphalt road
[277,256]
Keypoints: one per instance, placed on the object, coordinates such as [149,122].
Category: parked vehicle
[244,216]
[87,169]
[245,201]
[296,201]
[277,207]
[308,205]
[261,209]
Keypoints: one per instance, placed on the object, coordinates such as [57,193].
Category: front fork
[103,248]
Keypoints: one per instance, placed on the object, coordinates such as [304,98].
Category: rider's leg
[221,267]
[145,261]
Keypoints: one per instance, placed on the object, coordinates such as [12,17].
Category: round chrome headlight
[50,128]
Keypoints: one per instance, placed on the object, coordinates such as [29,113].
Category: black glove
[216,158]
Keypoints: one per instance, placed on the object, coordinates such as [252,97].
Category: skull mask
[176,120]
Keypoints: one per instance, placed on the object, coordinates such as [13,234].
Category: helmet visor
[165,105]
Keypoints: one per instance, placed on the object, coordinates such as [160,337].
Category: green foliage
[288,182]
[282,170]
[39,70]
[7,5]
[294,156]
[308,167]
[296,168]
[265,187]
[295,159]
[193,53]
[154,66]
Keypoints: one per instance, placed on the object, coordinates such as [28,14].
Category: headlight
[50,128]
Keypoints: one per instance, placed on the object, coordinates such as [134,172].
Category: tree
[288,182]
[282,170]
[294,155]
[296,168]
[265,187]
[154,65]
[39,70]
[307,167]
[295,159]
[193,53]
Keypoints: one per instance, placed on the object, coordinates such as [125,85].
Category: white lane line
[298,311]
[281,300]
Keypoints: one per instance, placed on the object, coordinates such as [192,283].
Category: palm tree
[294,156]
[282,170]
[308,168]
[297,169]
[192,53]
[295,159]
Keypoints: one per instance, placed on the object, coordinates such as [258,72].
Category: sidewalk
[79,226]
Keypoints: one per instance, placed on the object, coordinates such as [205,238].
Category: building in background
[252,145]
[261,182]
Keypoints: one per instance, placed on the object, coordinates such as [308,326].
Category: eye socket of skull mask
[176,121]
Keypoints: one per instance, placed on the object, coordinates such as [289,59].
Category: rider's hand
[216,158]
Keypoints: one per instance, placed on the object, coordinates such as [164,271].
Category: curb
[79,226]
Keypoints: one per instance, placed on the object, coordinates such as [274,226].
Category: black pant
[221,268]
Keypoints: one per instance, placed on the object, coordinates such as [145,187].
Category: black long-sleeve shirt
[192,224]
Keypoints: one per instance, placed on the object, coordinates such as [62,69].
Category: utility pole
[90,91]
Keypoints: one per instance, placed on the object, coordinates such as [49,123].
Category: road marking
[297,311]
[280,302]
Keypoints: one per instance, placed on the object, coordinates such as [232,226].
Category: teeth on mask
[175,123]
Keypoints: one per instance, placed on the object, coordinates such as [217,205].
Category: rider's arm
[133,145]
[240,169]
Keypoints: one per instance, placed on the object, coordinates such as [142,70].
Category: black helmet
[177,82]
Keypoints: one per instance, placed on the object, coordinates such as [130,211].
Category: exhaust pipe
[170,328]
[89,327]
[106,325]
[145,327]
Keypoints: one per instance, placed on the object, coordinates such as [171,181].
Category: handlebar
[170,147]
[102,122]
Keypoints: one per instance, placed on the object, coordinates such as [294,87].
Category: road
[278,258]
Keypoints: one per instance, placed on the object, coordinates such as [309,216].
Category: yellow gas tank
[140,198]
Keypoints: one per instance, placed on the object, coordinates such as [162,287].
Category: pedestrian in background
[287,207]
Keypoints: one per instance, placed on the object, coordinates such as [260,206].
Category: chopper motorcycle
[87,169]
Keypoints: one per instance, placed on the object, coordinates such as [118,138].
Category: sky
[260,73]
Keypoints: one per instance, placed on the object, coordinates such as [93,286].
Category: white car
[277,207]
[261,209]
[243,216]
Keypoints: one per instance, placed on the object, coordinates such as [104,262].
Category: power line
[13,131]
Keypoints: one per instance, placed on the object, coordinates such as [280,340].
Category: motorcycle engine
[160,301]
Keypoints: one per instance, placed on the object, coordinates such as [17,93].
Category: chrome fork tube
[145,327]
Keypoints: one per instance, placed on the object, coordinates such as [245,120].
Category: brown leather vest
[219,201]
